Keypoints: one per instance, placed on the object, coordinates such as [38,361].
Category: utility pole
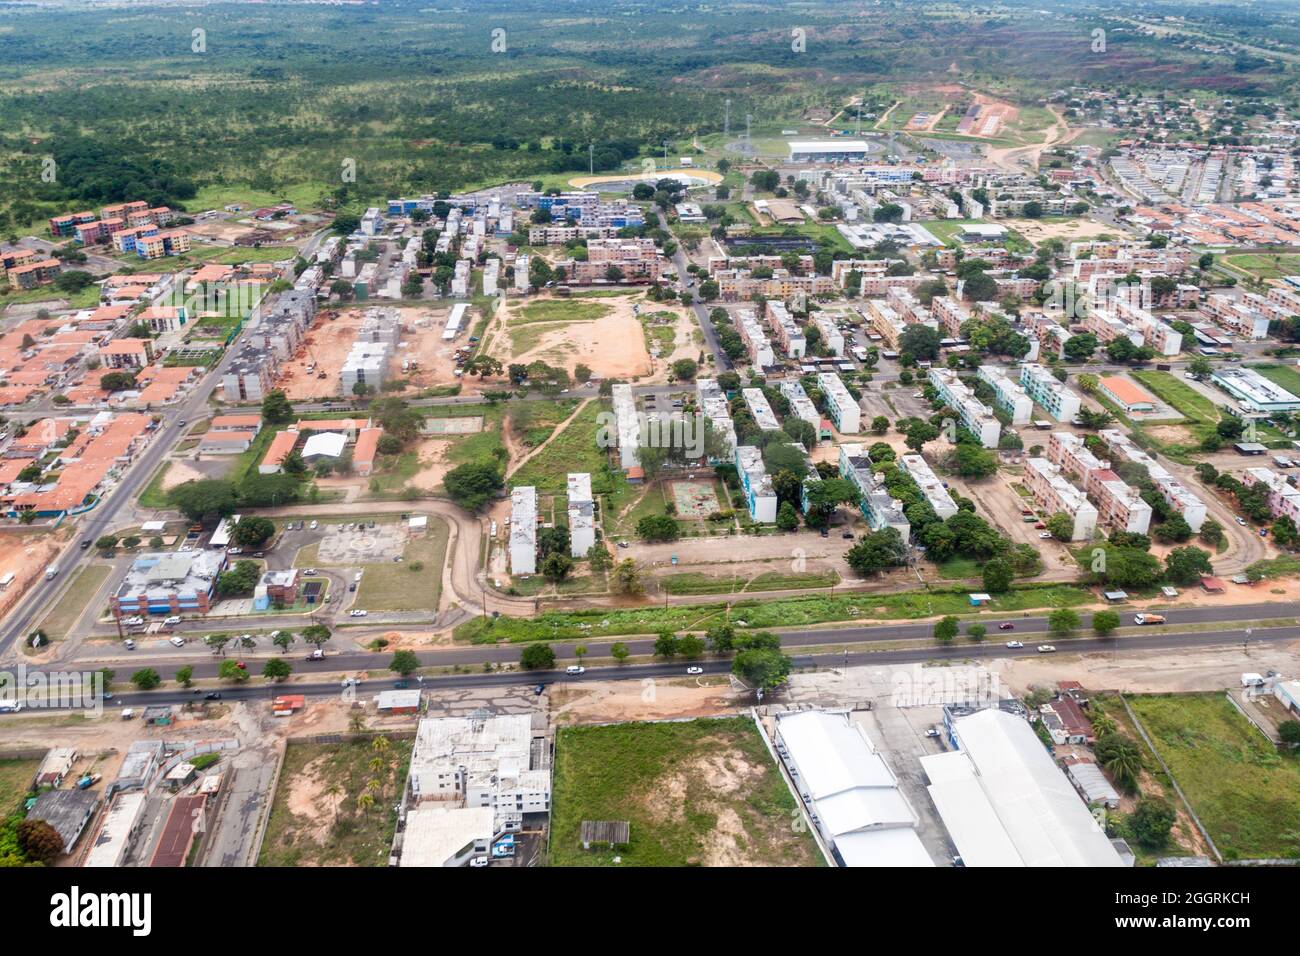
[591,159]
[726,117]
[748,120]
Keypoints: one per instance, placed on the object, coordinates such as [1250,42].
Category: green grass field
[339,830]
[1284,376]
[16,778]
[696,793]
[397,586]
[573,449]
[1241,788]
[72,604]
[1263,266]
[560,310]
[758,614]
[1200,413]
[692,582]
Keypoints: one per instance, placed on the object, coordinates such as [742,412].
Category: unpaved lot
[612,346]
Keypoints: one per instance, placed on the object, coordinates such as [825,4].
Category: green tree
[206,500]
[537,657]
[619,651]
[146,678]
[1187,565]
[472,484]
[787,519]
[1152,822]
[1105,622]
[231,671]
[185,675]
[1061,526]
[404,663]
[762,668]
[657,528]
[252,531]
[556,566]
[976,632]
[690,646]
[1062,621]
[666,644]
[997,576]
[277,669]
[276,409]
[946,629]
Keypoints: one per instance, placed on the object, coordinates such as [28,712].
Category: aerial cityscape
[520,434]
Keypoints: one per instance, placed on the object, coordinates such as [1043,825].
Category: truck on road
[1148,619]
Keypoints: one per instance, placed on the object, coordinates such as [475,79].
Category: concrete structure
[1176,494]
[1283,497]
[977,417]
[1056,495]
[761,409]
[1128,395]
[757,344]
[1005,802]
[712,404]
[1042,387]
[582,514]
[1254,391]
[801,405]
[828,150]
[841,406]
[934,490]
[523,530]
[1008,394]
[1119,506]
[755,482]
[169,583]
[629,427]
[119,830]
[68,811]
[832,337]
[785,330]
[446,836]
[879,508]
[851,795]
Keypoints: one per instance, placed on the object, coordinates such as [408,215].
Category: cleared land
[74,601]
[1265,266]
[698,793]
[16,778]
[1243,790]
[319,817]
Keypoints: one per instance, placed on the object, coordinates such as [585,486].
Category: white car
[1014,644]
[176,641]
[349,682]
[172,621]
[1046,649]
[312,526]
[234,550]
[1242,522]
[1045,535]
[309,572]
[358,613]
[695,670]
[575,669]
[129,644]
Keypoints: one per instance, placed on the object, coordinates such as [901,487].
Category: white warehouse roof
[1006,803]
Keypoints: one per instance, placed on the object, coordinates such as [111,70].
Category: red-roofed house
[281,445]
[127,353]
[363,455]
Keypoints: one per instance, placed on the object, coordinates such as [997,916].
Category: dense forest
[163,101]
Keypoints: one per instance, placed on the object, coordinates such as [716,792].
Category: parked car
[932,732]
[1014,645]
[1241,521]
[1045,535]
[539,690]
[308,572]
[695,670]
[172,621]
[349,682]
[129,644]
[312,526]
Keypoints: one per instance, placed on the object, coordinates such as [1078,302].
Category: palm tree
[365,802]
[1125,764]
[380,744]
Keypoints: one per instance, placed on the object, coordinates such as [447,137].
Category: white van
[575,669]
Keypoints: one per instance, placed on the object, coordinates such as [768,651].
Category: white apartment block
[1156,333]
[1176,494]
[1008,394]
[1056,495]
[582,514]
[1237,317]
[491,276]
[712,404]
[629,427]
[841,406]
[1041,385]
[757,344]
[523,530]
[1119,505]
[879,507]
[1283,498]
[977,417]
[832,337]
[761,409]
[522,283]
[801,405]
[787,332]
[756,483]
[933,489]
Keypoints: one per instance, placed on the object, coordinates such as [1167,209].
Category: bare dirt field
[1035,230]
[612,346]
[331,336]
[179,472]
[614,701]
[432,454]
[26,556]
[225,230]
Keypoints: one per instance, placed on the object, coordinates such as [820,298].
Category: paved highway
[259,690]
[1028,629]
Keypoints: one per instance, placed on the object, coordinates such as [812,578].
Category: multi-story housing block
[934,490]
[879,508]
[841,406]
[785,330]
[977,417]
[1008,394]
[755,339]
[1053,493]
[1041,385]
[1176,494]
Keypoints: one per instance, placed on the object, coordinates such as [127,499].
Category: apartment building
[29,275]
[1119,506]
[1237,317]
[801,405]
[1176,494]
[761,409]
[950,314]
[977,417]
[1008,394]
[738,285]
[582,514]
[629,428]
[267,345]
[785,330]
[885,322]
[760,498]
[1054,494]
[879,508]
[936,493]
[1158,334]
[635,259]
[1283,498]
[1042,387]
[712,404]
[126,353]
[523,530]
[832,337]
[755,339]
[841,406]
[909,308]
